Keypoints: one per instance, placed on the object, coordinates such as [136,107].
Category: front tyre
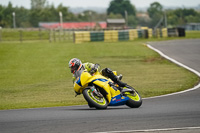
[135,101]
[94,101]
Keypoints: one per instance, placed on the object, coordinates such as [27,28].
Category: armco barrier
[83,36]
[123,35]
[172,32]
[97,36]
[111,36]
[120,35]
[158,33]
[140,33]
[86,36]
[164,32]
[181,32]
[145,34]
[133,34]
[150,33]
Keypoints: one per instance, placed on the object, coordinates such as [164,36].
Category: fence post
[40,34]
[50,39]
[0,34]
[68,34]
[59,35]
[64,35]
[54,36]
[20,35]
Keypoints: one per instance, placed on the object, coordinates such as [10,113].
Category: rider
[76,65]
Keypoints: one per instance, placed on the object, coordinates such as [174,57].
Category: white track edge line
[152,130]
[178,63]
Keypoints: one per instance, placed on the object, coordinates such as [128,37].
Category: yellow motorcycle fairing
[85,78]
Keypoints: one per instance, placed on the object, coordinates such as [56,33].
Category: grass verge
[36,74]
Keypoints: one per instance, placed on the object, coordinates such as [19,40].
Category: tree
[132,21]
[155,12]
[36,12]
[182,16]
[38,4]
[2,22]
[171,18]
[40,11]
[22,17]
[8,18]
[155,8]
[65,12]
[120,6]
[114,16]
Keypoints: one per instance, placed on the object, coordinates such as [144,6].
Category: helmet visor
[73,69]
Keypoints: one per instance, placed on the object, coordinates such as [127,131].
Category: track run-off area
[179,112]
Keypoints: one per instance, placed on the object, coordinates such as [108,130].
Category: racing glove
[95,68]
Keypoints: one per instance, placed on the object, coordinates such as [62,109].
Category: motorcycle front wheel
[94,101]
[135,101]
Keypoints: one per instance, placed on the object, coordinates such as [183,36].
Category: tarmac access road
[178,113]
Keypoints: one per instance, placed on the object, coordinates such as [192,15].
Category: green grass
[36,74]
[192,34]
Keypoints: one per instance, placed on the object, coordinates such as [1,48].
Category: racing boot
[120,77]
[109,73]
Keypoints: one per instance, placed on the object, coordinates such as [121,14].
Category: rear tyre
[94,101]
[135,101]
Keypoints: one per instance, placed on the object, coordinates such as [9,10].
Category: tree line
[42,11]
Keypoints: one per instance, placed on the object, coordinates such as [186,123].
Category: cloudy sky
[105,3]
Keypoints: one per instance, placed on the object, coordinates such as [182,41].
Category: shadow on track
[86,108]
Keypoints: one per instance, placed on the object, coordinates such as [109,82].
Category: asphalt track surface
[173,112]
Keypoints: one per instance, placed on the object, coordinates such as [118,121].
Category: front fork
[95,92]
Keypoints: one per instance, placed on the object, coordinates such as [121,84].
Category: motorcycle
[100,92]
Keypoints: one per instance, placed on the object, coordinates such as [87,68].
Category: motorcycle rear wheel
[135,100]
[94,101]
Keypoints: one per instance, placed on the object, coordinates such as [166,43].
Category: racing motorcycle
[101,92]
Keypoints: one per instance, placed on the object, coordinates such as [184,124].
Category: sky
[105,3]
